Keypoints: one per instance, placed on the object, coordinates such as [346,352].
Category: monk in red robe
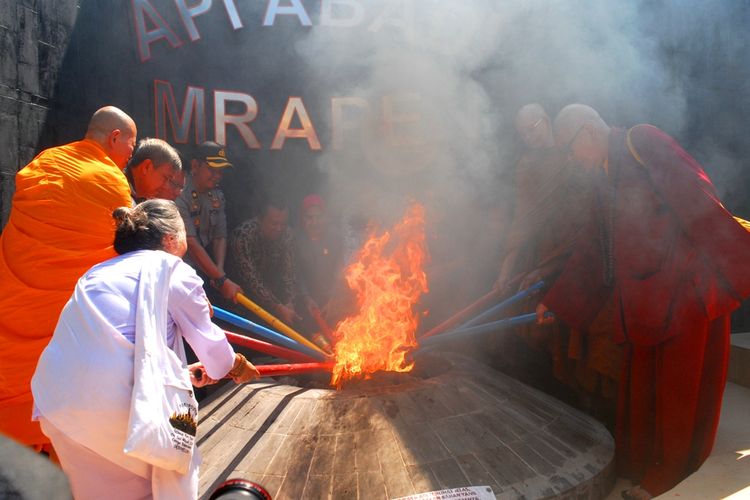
[672,263]
[60,225]
[547,212]
[553,200]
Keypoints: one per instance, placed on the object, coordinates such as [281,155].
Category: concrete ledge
[739,360]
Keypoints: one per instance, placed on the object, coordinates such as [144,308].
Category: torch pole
[267,348]
[292,369]
[264,332]
[523,294]
[283,369]
[461,315]
[275,323]
[463,333]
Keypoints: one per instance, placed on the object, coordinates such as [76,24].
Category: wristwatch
[218,282]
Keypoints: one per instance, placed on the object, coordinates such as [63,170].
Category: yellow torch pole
[275,323]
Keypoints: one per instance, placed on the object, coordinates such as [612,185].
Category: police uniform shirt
[202,213]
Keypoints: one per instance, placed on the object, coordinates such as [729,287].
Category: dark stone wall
[33,38]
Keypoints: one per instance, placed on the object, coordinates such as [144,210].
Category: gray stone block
[8,69]
[8,16]
[31,120]
[27,53]
[64,12]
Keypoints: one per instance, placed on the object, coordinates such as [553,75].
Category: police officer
[201,205]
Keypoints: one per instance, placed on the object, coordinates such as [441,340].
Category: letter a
[295,105]
[295,9]
[145,37]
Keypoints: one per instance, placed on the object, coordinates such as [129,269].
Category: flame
[387,287]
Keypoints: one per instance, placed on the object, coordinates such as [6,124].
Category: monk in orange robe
[60,225]
[673,263]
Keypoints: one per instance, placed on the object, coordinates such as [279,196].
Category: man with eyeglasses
[551,206]
[202,208]
[173,188]
[671,263]
[60,225]
[151,169]
[545,216]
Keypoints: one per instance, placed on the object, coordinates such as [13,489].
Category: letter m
[193,112]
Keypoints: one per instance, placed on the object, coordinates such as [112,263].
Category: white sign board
[467,493]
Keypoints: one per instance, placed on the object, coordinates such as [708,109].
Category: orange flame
[387,287]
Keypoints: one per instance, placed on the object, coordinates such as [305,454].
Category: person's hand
[198,375]
[229,290]
[286,314]
[242,371]
[326,310]
[543,315]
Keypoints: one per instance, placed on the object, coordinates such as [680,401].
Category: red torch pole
[267,348]
[297,369]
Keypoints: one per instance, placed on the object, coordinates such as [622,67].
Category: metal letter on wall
[241,121]
[193,112]
[145,36]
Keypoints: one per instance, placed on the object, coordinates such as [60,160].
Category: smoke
[705,49]
[454,74]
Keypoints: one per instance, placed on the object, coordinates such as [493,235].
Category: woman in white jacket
[104,385]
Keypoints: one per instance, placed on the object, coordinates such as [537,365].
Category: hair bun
[121,214]
[139,218]
[144,226]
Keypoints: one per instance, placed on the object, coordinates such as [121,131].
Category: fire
[387,284]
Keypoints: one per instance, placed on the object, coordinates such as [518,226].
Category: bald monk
[673,262]
[548,208]
[60,225]
[552,202]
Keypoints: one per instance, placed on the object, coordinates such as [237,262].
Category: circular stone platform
[467,426]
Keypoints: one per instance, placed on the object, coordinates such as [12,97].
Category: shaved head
[580,131]
[115,131]
[107,119]
[534,127]
[574,116]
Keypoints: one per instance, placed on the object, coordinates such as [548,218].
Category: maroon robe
[550,209]
[675,263]
[552,206]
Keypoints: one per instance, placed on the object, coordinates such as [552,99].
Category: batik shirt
[265,267]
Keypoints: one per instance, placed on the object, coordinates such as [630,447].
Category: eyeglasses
[176,185]
[530,130]
[170,179]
